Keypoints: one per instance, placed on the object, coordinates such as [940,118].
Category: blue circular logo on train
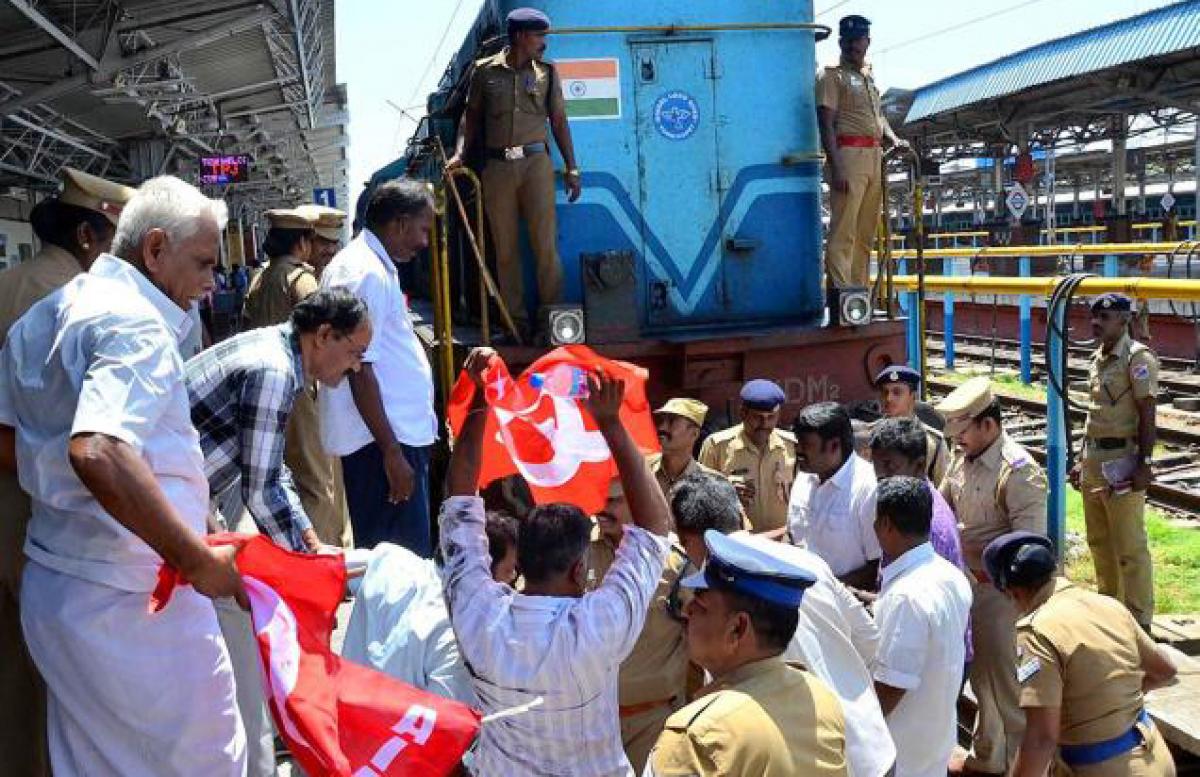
[676,115]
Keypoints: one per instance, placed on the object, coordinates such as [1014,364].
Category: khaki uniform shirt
[20,288]
[937,455]
[1115,382]
[1081,652]
[1001,490]
[851,93]
[514,104]
[665,481]
[733,454]
[767,719]
[656,670]
[276,289]
[28,282]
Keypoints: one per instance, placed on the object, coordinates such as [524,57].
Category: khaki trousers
[853,218]
[1000,721]
[317,475]
[23,749]
[523,190]
[1116,534]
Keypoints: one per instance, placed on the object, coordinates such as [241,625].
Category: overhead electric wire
[957,26]
[437,50]
[833,7]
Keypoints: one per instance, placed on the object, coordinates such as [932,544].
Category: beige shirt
[656,670]
[1001,490]
[1115,382]
[851,93]
[1082,652]
[767,719]
[514,104]
[665,481]
[21,287]
[28,282]
[770,472]
[276,289]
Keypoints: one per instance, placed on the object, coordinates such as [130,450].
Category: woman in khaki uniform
[1084,667]
[285,282]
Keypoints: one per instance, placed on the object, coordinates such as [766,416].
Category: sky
[396,50]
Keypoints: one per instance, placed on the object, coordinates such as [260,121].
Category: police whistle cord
[511,712]
[1060,299]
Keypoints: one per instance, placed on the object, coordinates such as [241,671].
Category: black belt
[1108,443]
[513,153]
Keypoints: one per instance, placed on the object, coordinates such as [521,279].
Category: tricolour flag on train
[591,87]
[338,718]
[539,427]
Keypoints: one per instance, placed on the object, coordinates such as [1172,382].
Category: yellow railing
[1180,290]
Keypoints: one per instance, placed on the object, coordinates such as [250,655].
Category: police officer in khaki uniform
[287,280]
[75,226]
[653,678]
[758,458]
[898,387]
[994,487]
[678,422]
[1085,666]
[1119,437]
[328,227]
[510,98]
[852,126]
[760,717]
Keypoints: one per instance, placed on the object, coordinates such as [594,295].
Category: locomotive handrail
[822,30]
[485,329]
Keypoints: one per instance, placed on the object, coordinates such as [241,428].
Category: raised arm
[647,503]
[462,478]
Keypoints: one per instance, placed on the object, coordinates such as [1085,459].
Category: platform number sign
[326,197]
[1017,200]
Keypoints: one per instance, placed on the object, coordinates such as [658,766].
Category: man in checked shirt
[242,392]
[552,641]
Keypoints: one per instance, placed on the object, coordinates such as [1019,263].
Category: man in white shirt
[836,637]
[382,423]
[922,613]
[552,647]
[832,507]
[92,386]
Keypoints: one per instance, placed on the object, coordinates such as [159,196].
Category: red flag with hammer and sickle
[539,427]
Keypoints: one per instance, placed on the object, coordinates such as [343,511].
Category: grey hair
[167,203]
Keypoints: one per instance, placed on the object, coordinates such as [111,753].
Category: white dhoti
[131,694]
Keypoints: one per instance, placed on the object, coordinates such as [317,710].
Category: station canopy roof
[1064,90]
[129,89]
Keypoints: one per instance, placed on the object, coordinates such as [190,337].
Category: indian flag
[591,87]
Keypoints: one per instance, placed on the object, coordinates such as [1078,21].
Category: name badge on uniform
[1028,670]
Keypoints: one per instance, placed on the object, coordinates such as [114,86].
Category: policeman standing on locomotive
[511,96]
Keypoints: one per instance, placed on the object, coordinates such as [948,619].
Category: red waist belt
[857,141]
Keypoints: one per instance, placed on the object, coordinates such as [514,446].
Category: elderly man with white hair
[92,391]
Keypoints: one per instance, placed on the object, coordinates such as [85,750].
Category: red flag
[337,717]
[537,426]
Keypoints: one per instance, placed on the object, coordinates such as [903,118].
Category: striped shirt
[242,391]
[565,650]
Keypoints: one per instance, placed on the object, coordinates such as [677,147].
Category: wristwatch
[573,171]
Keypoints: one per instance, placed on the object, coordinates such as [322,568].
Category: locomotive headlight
[565,325]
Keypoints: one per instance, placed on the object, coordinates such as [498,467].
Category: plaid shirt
[242,391]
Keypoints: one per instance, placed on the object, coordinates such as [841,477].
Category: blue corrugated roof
[1153,34]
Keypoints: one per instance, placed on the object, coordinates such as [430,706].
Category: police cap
[691,409]
[762,395]
[288,218]
[751,566]
[327,221]
[1112,301]
[1018,558]
[854,26]
[94,193]
[963,404]
[527,20]
[899,373]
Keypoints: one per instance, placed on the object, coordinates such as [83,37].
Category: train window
[647,70]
